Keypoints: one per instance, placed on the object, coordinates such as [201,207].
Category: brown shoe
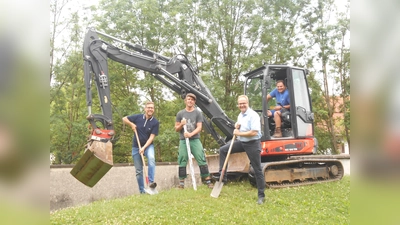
[181,184]
[278,133]
[209,184]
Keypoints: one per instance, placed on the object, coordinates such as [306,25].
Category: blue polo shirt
[145,127]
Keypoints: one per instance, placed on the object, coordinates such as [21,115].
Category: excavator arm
[176,73]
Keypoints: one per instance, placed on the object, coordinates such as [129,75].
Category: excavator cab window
[255,95]
[254,91]
[259,84]
[304,117]
[280,73]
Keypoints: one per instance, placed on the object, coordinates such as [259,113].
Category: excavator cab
[284,160]
[297,122]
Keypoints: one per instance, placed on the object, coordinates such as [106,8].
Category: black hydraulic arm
[175,72]
[97,64]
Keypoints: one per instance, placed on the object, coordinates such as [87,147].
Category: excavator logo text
[297,146]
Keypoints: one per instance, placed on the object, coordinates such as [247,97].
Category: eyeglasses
[242,103]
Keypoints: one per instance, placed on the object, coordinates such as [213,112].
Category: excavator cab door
[302,113]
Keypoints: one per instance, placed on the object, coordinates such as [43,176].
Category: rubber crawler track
[329,170]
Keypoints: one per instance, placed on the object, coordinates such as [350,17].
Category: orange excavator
[287,161]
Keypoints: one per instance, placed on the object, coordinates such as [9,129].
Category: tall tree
[67,92]
[57,24]
[145,23]
[319,108]
[67,114]
[282,31]
[322,37]
[221,38]
[224,44]
[341,66]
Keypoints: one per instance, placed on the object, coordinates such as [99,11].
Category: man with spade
[192,118]
[146,127]
[248,131]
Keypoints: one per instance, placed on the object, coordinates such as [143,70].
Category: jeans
[137,161]
[253,150]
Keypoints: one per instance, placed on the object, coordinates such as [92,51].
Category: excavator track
[293,173]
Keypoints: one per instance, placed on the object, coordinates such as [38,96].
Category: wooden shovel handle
[144,163]
[227,159]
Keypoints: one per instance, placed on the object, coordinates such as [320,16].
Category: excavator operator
[281,94]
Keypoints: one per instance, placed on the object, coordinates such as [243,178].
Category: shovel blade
[151,191]
[217,189]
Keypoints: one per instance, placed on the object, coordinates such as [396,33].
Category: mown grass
[326,203]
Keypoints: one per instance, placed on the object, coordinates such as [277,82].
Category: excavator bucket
[238,163]
[94,164]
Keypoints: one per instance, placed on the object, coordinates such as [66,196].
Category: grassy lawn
[327,203]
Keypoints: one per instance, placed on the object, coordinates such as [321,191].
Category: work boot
[153,185]
[260,200]
[278,133]
[181,184]
[209,184]
[217,176]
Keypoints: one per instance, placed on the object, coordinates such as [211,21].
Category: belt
[250,141]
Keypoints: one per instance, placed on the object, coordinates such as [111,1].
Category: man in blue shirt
[248,131]
[146,127]
[281,94]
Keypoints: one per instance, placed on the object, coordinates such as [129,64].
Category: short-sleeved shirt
[249,120]
[282,98]
[192,118]
[145,127]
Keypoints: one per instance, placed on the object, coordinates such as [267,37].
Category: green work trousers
[197,151]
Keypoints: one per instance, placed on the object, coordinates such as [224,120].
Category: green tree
[222,39]
[341,66]
[282,31]
[144,23]
[56,25]
[321,133]
[67,92]
[67,115]
[323,36]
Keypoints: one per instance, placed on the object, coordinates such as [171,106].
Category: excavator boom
[175,72]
